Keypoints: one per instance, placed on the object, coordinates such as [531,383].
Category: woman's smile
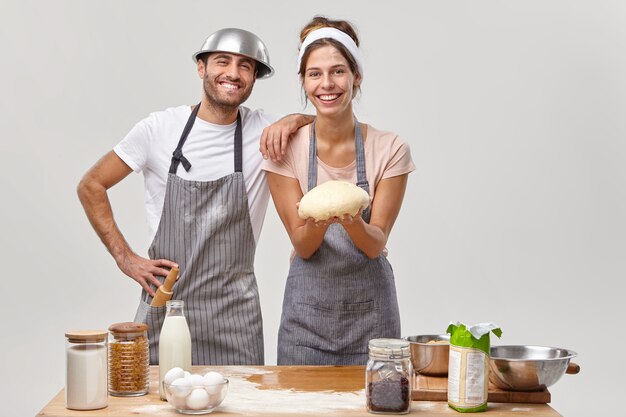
[328,97]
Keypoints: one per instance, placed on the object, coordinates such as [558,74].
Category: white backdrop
[514,110]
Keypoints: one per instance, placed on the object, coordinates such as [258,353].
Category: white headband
[337,35]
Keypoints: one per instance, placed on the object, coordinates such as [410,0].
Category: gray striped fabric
[339,299]
[205,228]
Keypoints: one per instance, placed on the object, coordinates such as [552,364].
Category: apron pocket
[336,327]
[369,305]
[153,317]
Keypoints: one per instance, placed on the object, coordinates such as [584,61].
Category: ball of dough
[333,199]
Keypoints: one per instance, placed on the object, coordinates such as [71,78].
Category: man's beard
[217,102]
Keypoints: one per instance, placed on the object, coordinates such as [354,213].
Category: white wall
[514,110]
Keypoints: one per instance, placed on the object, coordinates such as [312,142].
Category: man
[203,217]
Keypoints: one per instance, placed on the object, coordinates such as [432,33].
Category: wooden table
[284,391]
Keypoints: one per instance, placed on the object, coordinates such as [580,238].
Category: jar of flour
[86,370]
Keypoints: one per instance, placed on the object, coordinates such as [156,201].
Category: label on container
[468,380]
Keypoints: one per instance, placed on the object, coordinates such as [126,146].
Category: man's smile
[229,85]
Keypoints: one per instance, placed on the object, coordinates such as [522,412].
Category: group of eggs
[193,391]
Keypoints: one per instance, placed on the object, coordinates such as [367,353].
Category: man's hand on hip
[145,271]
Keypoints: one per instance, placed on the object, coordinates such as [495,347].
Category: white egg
[198,399]
[173,374]
[180,387]
[195,380]
[187,374]
[212,382]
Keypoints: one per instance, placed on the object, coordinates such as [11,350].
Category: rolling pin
[164,292]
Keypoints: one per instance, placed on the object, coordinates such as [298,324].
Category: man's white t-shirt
[210,149]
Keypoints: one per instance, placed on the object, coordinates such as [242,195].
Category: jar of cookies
[129,359]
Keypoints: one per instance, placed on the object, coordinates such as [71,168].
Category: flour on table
[244,397]
[152,409]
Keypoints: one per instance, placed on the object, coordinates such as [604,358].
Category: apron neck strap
[312,175]
[238,144]
[178,157]
[361,176]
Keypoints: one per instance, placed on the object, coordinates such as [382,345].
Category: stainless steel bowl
[242,42]
[430,359]
[529,368]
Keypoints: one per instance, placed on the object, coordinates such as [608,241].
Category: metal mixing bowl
[529,368]
[430,359]
[242,42]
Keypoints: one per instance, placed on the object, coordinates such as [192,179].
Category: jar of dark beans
[388,377]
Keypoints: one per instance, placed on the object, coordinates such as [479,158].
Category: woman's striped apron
[338,299]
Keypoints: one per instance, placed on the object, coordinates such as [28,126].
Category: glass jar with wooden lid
[129,359]
[86,369]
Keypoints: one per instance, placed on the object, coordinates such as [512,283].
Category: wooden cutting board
[432,388]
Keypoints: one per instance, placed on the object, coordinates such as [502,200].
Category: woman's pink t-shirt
[386,155]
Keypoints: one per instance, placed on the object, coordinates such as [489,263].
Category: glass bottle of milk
[174,342]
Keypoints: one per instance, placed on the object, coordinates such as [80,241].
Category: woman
[340,292]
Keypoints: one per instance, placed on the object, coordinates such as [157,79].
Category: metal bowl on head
[430,354]
[529,368]
[242,42]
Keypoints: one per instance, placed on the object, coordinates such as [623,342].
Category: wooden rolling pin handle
[164,292]
[161,297]
[171,278]
[572,368]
